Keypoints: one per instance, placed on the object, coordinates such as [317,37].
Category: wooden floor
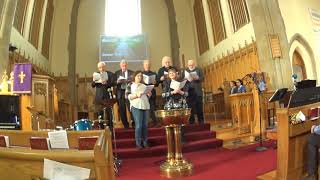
[272,175]
[229,134]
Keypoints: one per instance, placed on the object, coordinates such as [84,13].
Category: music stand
[108,103]
[278,95]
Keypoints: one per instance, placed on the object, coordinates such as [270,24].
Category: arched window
[123,17]
[298,66]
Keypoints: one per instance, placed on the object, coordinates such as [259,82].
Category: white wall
[59,57]
[91,25]
[185,24]
[233,40]
[297,19]
[155,24]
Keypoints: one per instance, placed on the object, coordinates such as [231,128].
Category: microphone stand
[116,162]
[260,148]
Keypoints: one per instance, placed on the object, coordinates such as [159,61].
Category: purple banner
[22,74]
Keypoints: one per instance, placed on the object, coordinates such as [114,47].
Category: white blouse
[139,103]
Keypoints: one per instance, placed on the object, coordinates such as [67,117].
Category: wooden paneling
[239,13]
[36,23]
[47,29]
[231,67]
[217,22]
[20,14]
[201,27]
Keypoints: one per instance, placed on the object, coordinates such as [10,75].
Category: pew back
[25,163]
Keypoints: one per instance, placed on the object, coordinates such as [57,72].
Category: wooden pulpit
[42,98]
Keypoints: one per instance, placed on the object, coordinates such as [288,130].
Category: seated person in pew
[175,97]
[138,94]
[241,87]
[313,150]
[234,88]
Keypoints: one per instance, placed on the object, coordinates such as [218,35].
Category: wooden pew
[292,142]
[21,162]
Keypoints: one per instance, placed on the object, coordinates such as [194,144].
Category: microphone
[110,93]
[294,80]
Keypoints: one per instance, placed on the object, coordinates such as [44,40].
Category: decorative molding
[40,88]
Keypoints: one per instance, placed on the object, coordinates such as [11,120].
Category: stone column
[174,37]
[72,52]
[5,32]
[267,19]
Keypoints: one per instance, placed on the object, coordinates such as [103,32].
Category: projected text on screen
[131,48]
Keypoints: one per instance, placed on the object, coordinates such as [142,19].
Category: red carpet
[197,137]
[213,164]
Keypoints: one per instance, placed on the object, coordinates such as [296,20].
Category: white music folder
[54,170]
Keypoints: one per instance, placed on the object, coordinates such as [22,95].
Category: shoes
[146,145]
[139,147]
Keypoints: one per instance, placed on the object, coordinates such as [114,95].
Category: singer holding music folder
[150,78]
[163,71]
[123,78]
[137,93]
[175,94]
[194,76]
[103,81]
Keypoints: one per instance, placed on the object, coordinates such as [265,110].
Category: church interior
[75,102]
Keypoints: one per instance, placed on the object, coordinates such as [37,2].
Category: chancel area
[159,89]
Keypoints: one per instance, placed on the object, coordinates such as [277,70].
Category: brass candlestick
[175,165]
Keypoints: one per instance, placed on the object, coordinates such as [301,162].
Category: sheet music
[54,170]
[58,139]
[148,89]
[191,76]
[143,89]
[100,77]
[121,78]
[177,85]
[149,79]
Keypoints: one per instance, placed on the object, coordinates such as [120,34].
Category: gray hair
[123,61]
[101,63]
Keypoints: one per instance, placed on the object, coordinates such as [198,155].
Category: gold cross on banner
[21,76]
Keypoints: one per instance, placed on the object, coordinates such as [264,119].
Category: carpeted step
[125,153]
[195,136]
[161,140]
[129,133]
[202,144]
[161,150]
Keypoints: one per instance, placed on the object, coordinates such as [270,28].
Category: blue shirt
[316,130]
[242,89]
